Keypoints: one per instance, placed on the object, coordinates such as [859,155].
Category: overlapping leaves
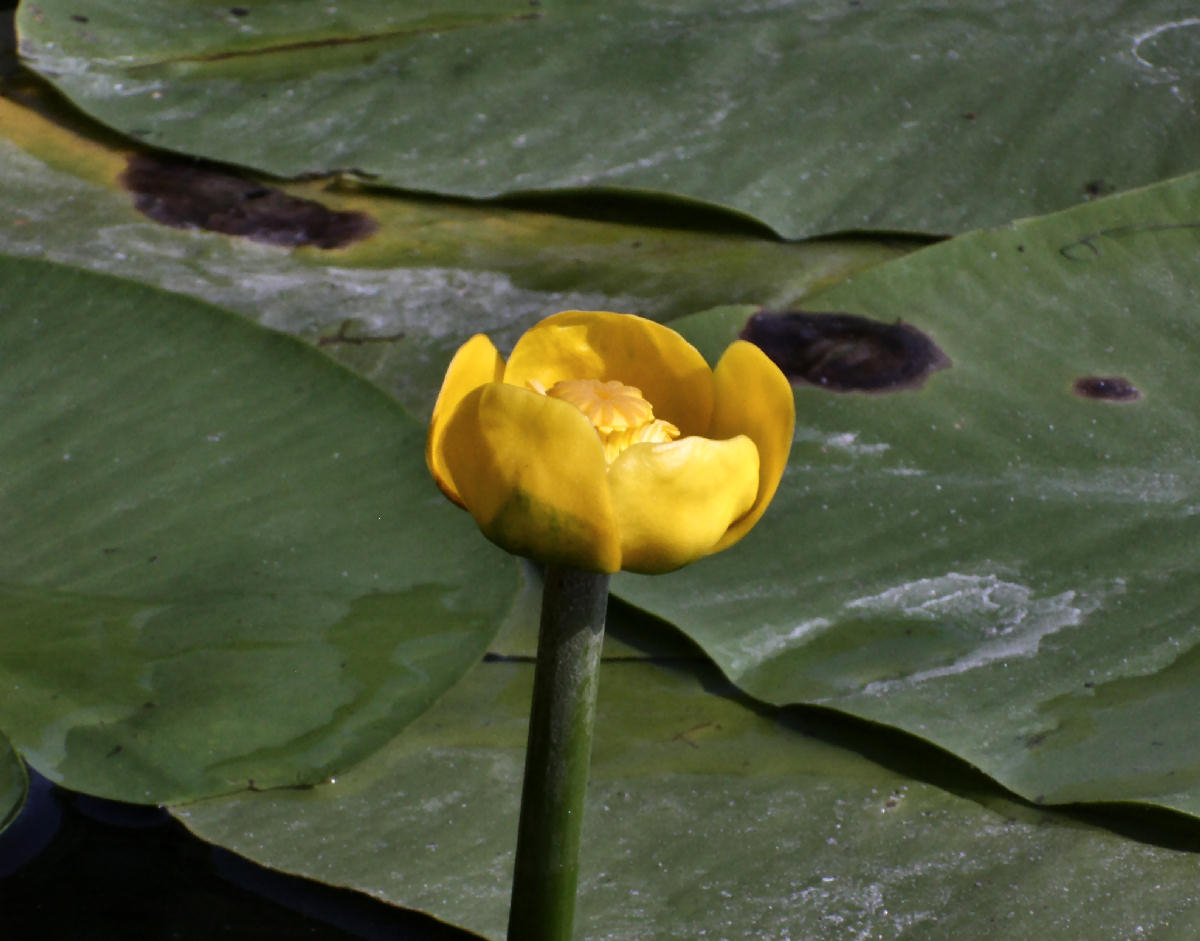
[818,117]
[992,563]
[995,562]
[707,816]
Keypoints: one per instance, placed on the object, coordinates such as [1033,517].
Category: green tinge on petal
[674,502]
[671,374]
[477,362]
[531,470]
[754,398]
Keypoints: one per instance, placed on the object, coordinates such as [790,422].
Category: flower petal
[674,501]
[754,398]
[577,344]
[531,470]
[476,362]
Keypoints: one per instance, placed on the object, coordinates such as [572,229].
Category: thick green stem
[560,750]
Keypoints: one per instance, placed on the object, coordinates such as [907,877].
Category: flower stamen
[619,413]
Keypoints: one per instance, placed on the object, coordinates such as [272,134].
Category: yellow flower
[606,442]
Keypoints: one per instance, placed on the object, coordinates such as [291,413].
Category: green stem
[559,753]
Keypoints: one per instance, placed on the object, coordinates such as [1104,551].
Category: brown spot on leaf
[197,195]
[845,352]
[1108,388]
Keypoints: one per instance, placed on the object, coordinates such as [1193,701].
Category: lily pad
[396,304]
[709,817]
[826,116]
[225,563]
[999,562]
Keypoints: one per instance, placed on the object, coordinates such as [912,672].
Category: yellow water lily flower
[606,442]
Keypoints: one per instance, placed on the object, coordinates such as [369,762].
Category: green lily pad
[14,783]
[395,305]
[824,117]
[999,562]
[225,565]
[707,817]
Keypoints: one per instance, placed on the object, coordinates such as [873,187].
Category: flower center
[618,412]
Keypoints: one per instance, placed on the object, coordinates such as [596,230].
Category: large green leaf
[993,562]
[225,564]
[814,117]
[707,818]
[396,305]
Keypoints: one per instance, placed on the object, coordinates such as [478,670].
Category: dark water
[77,867]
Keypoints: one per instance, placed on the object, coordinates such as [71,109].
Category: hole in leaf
[846,352]
[1108,388]
[186,194]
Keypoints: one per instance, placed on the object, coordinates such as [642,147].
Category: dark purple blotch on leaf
[1107,388]
[190,194]
[846,352]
